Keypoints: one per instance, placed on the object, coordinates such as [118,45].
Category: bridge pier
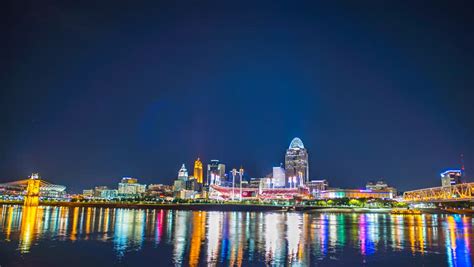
[33,191]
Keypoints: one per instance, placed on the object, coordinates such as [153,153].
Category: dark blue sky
[97,90]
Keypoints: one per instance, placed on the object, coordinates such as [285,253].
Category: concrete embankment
[188,206]
[229,207]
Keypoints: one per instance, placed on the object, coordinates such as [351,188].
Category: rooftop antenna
[462,165]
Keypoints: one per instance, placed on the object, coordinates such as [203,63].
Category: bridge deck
[22,184]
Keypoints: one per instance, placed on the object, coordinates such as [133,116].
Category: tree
[355,203]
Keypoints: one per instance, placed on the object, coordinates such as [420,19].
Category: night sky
[95,90]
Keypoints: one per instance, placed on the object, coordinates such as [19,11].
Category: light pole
[234,172]
[214,179]
[241,171]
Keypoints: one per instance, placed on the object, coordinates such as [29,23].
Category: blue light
[448,171]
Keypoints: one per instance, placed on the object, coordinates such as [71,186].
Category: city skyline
[89,97]
[296,158]
[237,133]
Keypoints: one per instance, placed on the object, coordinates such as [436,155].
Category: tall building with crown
[296,163]
[183,173]
[198,172]
[180,183]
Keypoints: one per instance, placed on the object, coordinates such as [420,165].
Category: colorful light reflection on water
[127,236]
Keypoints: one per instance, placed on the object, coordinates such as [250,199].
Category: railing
[459,192]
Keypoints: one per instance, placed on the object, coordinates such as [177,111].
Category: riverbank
[230,207]
[163,206]
[205,207]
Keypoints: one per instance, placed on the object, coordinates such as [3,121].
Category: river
[75,236]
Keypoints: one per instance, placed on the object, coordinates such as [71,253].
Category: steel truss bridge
[21,185]
[453,193]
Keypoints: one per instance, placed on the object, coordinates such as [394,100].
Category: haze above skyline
[94,91]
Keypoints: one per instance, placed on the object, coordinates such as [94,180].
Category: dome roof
[296,143]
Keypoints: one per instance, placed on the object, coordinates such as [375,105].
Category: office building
[109,193]
[181,181]
[215,172]
[296,164]
[198,172]
[183,173]
[159,190]
[129,187]
[380,186]
[316,186]
[278,177]
[451,177]
[88,193]
[98,190]
[193,185]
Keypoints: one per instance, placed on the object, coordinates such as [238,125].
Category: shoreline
[230,207]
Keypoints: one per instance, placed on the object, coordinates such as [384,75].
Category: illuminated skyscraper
[198,174]
[296,163]
[183,173]
[180,183]
[279,177]
[215,172]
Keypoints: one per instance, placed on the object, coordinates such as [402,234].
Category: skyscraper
[180,183]
[215,172]
[279,177]
[183,173]
[198,174]
[296,163]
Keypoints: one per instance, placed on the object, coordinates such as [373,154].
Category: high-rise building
[215,172]
[180,183]
[451,177]
[130,187]
[98,190]
[183,173]
[198,173]
[109,193]
[296,163]
[380,186]
[279,177]
[193,185]
[186,187]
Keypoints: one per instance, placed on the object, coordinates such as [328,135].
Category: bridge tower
[32,190]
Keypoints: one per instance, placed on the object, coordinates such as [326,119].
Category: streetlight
[300,176]
[241,171]
[234,172]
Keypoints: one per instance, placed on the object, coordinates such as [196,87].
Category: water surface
[55,236]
